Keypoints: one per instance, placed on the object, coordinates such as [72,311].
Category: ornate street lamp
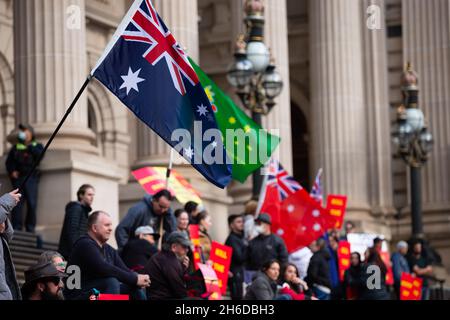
[253,73]
[414,142]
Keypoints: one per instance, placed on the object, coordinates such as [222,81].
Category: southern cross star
[131,81]
[202,110]
[189,153]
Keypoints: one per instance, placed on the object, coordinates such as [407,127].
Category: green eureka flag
[247,144]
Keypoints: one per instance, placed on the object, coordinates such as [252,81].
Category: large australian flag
[148,71]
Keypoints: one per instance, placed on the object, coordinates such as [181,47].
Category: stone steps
[25,250]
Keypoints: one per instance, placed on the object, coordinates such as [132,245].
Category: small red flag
[302,220]
[410,287]
[221,258]
[336,206]
[344,256]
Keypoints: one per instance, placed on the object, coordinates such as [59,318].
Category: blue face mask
[22,136]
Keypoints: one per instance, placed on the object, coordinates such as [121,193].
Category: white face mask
[22,136]
[260,229]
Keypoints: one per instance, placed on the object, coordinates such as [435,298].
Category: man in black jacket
[75,220]
[265,247]
[168,269]
[236,240]
[100,265]
[318,276]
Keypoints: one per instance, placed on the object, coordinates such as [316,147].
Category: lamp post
[253,73]
[414,142]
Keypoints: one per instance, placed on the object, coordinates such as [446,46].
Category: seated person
[100,265]
[168,269]
[139,250]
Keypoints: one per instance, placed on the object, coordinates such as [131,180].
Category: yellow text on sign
[221,254]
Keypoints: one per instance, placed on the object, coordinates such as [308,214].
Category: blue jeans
[320,294]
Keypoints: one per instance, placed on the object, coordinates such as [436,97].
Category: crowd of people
[154,259]
[155,255]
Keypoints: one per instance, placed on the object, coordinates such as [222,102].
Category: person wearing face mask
[19,163]
[168,269]
[265,247]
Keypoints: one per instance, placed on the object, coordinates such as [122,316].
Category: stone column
[426,44]
[50,68]
[338,109]
[377,117]
[276,33]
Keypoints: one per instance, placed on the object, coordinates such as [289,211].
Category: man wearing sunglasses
[151,211]
[43,282]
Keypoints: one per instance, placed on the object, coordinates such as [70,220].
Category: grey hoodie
[9,288]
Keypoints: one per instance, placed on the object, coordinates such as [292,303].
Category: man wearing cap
[399,265]
[19,163]
[43,282]
[139,250]
[168,268]
[265,247]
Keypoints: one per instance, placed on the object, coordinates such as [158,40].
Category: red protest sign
[221,258]
[410,287]
[385,256]
[194,234]
[211,282]
[336,206]
[344,256]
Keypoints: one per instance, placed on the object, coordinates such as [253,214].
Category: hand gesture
[16,195]
[143,281]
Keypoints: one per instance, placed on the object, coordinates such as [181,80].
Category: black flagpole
[55,133]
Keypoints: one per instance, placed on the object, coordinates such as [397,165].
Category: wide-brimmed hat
[41,271]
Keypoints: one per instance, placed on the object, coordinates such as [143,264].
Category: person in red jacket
[291,283]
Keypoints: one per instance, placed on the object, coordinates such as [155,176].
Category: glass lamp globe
[272,82]
[404,134]
[240,73]
[415,118]
[259,56]
[426,141]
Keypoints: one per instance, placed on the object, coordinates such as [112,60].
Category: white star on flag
[280,232]
[316,213]
[291,208]
[131,81]
[317,227]
[189,153]
[202,110]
